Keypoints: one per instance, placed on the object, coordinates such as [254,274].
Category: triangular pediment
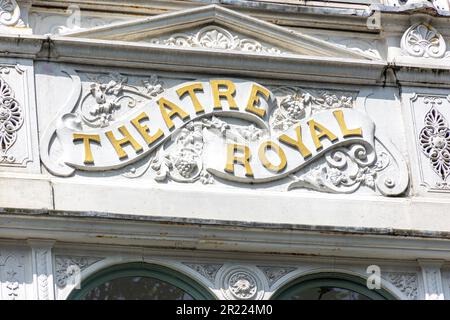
[216,28]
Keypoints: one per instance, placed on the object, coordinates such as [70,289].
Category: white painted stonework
[241,145]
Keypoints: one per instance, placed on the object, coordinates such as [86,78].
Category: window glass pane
[136,288]
[327,293]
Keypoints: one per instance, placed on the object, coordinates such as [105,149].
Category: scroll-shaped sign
[101,139]
[279,155]
[143,130]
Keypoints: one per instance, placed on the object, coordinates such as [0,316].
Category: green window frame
[142,269]
[336,280]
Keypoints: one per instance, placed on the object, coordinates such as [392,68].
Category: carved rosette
[240,283]
[11,120]
[434,141]
[422,40]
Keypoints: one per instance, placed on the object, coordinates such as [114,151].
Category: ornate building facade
[238,150]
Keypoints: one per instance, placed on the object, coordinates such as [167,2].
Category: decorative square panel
[431,116]
[18,131]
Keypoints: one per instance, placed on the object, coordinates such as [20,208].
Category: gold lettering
[255,100]
[318,132]
[266,163]
[87,139]
[144,130]
[304,151]
[244,160]
[190,90]
[164,106]
[228,93]
[117,144]
[346,132]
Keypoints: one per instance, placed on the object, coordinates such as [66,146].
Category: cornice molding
[166,24]
[242,64]
[353,16]
[148,56]
[68,227]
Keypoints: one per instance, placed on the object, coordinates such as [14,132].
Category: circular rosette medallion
[214,37]
[241,283]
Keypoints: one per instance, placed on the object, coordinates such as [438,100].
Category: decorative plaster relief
[17,118]
[11,120]
[433,139]
[207,270]
[407,283]
[12,276]
[422,40]
[435,142]
[190,125]
[108,94]
[241,283]
[214,37]
[66,266]
[273,274]
[348,168]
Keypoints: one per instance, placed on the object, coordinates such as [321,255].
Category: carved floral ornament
[434,140]
[11,120]
[313,139]
[69,267]
[407,283]
[422,40]
[214,37]
[241,283]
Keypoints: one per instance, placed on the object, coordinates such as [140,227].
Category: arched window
[140,281]
[330,286]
